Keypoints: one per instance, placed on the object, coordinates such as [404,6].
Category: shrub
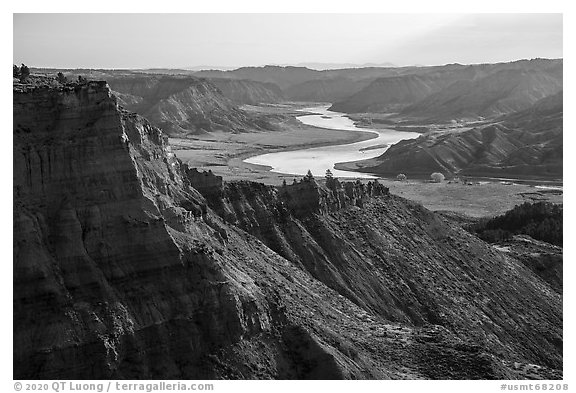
[401,177]
[437,177]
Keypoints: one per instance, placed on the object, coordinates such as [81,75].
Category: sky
[234,40]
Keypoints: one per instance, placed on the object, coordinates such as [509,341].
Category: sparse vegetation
[61,78]
[309,176]
[330,180]
[24,73]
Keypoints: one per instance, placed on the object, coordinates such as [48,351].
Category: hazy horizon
[140,41]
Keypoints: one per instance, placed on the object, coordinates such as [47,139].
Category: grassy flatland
[476,200]
[223,153]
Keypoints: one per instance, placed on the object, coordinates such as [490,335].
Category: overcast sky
[232,40]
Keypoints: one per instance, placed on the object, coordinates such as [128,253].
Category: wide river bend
[318,159]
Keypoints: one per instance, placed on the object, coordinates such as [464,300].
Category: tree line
[540,220]
[22,72]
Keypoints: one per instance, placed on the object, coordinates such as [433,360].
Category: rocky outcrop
[207,183]
[122,269]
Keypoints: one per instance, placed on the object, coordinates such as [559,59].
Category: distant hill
[404,87]
[339,66]
[280,76]
[182,105]
[386,94]
[525,144]
[325,90]
[503,92]
[545,116]
[440,94]
[420,94]
[289,77]
[248,92]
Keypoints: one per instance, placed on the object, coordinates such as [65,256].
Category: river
[318,159]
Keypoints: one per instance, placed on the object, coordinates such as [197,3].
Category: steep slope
[544,117]
[386,95]
[325,90]
[456,91]
[503,92]
[123,270]
[248,92]
[400,261]
[525,144]
[543,258]
[182,105]
[397,91]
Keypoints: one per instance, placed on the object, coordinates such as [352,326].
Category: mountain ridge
[458,91]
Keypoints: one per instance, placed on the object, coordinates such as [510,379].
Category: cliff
[401,262]
[123,269]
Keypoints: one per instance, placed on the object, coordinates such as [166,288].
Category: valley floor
[223,154]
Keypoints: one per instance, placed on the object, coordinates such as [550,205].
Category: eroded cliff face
[122,269]
[397,260]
